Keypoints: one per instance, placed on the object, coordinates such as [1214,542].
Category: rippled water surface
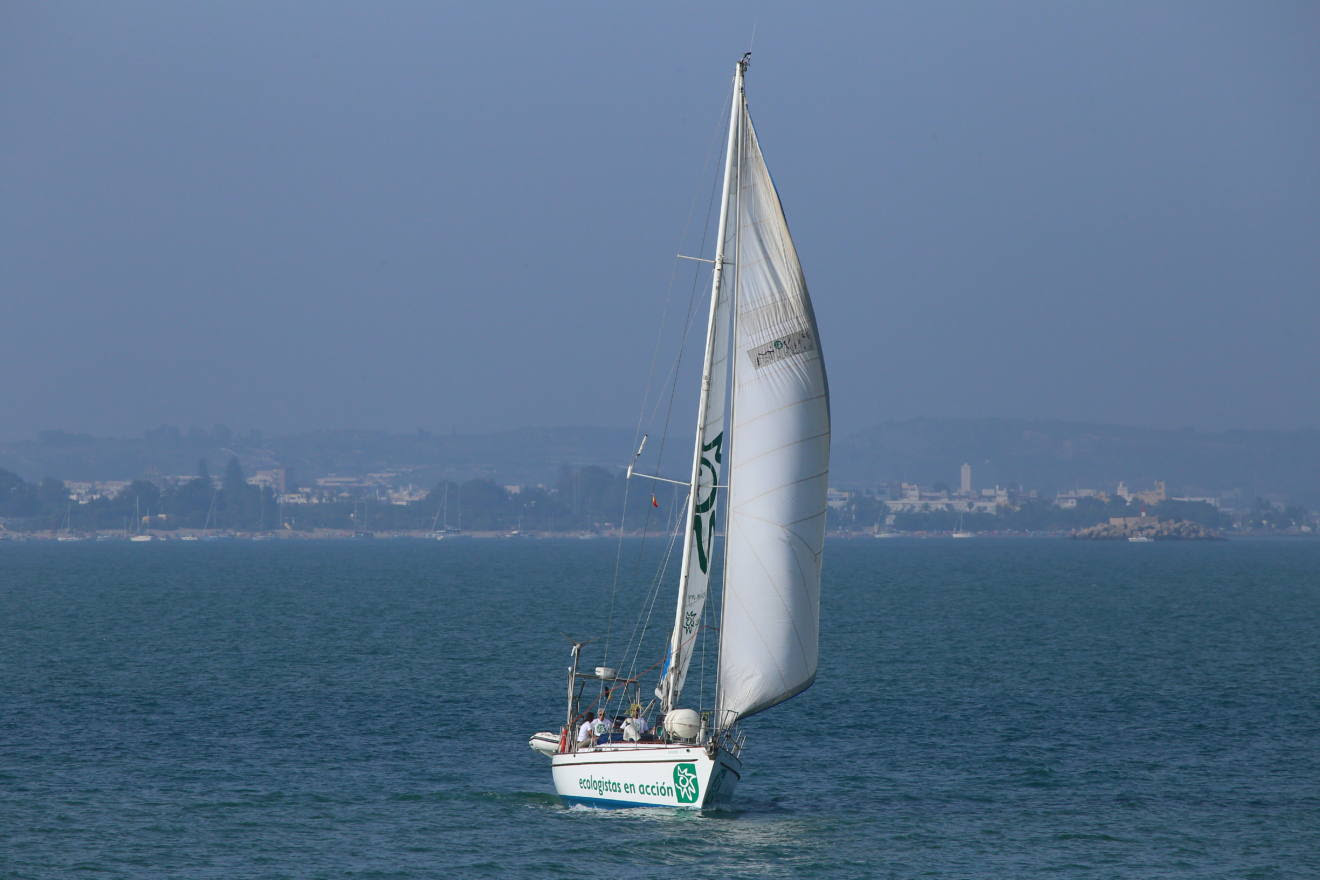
[1011,709]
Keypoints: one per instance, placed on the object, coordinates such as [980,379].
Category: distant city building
[1068,498]
[913,499]
[1149,496]
[1130,522]
[334,481]
[406,495]
[1213,502]
[87,492]
[270,479]
[965,483]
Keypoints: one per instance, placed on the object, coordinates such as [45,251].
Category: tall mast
[733,376]
[676,640]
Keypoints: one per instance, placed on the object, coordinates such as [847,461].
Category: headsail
[780,458]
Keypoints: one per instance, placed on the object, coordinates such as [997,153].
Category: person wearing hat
[634,726]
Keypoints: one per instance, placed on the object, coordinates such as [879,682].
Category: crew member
[602,727]
[584,731]
[634,726]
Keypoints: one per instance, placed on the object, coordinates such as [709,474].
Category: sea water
[985,708]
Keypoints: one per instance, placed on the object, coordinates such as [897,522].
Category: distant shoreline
[189,536]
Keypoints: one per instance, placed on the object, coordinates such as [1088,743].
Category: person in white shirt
[602,727]
[634,726]
[584,731]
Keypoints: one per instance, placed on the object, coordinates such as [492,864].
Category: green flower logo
[685,783]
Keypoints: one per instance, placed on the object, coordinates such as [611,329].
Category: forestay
[779,458]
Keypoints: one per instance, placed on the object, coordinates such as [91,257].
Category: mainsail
[769,630]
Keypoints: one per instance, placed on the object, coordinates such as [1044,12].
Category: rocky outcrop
[1157,530]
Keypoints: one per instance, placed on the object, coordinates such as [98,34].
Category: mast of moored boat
[697,505]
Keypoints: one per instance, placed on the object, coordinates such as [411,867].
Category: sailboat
[762,438]
[439,532]
[66,534]
[960,532]
[139,536]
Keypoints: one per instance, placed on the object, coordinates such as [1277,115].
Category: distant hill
[1042,455]
[1050,456]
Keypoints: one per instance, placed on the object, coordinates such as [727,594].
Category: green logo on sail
[685,783]
[706,504]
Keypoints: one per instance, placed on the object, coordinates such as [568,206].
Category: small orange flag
[654,503]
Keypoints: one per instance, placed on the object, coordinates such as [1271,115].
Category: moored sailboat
[762,439]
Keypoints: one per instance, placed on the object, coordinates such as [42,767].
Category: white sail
[698,556]
[769,631]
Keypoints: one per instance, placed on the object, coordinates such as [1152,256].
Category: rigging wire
[673,376]
[680,508]
[642,624]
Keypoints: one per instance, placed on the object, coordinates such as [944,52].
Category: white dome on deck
[683,723]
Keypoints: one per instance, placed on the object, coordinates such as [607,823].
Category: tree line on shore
[583,498]
[586,498]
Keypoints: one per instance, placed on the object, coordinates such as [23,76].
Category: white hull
[646,775]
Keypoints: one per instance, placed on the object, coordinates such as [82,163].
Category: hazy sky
[391,215]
